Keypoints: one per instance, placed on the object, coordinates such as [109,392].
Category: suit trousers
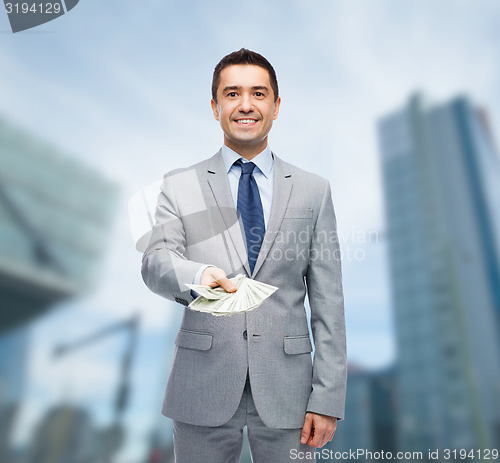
[223,444]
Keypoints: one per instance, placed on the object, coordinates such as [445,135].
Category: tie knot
[246,167]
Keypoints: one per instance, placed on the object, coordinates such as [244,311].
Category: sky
[125,87]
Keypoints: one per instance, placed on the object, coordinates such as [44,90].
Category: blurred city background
[396,103]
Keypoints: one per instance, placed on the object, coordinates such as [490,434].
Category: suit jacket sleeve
[324,288]
[165,265]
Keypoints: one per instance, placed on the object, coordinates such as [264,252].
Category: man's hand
[318,429]
[213,276]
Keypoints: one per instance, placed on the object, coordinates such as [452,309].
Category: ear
[276,108]
[215,109]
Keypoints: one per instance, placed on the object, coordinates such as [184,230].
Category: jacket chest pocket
[294,236]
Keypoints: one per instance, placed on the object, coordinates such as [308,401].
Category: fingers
[306,429]
[214,276]
[330,432]
[322,429]
[318,440]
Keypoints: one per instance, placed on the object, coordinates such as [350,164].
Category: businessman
[245,210]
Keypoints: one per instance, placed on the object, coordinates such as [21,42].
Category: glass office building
[371,421]
[441,177]
[14,348]
[55,215]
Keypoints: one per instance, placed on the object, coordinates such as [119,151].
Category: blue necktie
[250,208]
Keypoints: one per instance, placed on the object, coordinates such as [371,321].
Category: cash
[217,301]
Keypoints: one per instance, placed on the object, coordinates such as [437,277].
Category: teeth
[246,121]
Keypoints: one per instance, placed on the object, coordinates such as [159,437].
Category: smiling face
[245,108]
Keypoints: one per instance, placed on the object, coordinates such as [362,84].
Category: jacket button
[245,335]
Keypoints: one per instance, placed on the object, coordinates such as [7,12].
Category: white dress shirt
[263,174]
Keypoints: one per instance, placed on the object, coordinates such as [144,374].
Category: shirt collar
[263,161]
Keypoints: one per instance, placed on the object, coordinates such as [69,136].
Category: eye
[231,94]
[259,94]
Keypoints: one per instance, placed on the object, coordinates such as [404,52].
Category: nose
[245,103]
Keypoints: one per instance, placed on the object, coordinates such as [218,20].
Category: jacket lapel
[219,184]
[281,195]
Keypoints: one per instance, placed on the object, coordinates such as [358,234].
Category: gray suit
[196,224]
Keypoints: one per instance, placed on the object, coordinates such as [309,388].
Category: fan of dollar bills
[217,301]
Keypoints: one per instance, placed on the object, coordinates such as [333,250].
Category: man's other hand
[318,429]
[213,276]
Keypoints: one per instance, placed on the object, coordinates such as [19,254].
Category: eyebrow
[236,87]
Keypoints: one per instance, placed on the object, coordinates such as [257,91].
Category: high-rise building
[370,423]
[13,363]
[65,434]
[13,359]
[355,431]
[55,216]
[441,176]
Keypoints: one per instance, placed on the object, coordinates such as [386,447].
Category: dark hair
[244,56]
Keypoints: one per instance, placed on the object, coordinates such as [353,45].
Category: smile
[246,121]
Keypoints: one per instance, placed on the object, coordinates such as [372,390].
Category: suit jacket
[196,224]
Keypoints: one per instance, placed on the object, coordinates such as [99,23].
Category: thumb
[306,429]
[227,284]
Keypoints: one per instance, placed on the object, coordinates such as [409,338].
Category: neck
[246,151]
